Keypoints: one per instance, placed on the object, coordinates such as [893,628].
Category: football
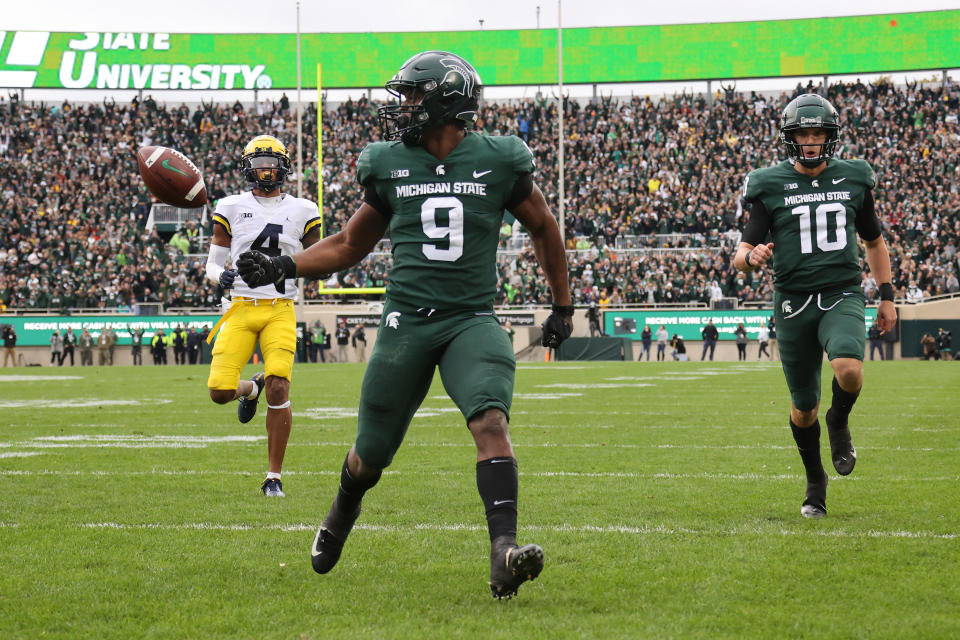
[171,177]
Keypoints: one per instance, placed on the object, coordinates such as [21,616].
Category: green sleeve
[865,173]
[753,185]
[365,164]
[521,157]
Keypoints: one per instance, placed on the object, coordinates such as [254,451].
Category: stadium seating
[651,192]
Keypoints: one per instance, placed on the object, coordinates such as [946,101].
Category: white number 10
[823,243]
[453,232]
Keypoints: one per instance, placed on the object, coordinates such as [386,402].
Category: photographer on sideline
[945,344]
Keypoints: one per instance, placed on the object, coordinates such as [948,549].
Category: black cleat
[248,408]
[330,539]
[841,446]
[272,488]
[815,502]
[511,566]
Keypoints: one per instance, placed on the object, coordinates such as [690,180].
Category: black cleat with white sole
[511,566]
[248,408]
[841,445]
[815,502]
[330,538]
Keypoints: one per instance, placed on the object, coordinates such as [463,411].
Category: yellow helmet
[265,152]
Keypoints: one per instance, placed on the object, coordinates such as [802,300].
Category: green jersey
[812,221]
[445,216]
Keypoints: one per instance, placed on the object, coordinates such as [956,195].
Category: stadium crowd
[651,192]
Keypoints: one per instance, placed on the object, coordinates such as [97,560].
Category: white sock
[271,474]
[253,394]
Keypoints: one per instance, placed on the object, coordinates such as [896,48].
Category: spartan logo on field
[450,82]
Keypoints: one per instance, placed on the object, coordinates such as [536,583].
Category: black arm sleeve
[372,198]
[522,189]
[868,224]
[759,224]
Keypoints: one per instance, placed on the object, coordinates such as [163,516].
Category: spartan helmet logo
[786,307]
[458,80]
[393,319]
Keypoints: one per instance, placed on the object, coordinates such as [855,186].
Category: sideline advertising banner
[36,331]
[687,324]
[654,53]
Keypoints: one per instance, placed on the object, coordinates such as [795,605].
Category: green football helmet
[810,111]
[450,89]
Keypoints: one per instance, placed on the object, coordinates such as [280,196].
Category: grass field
[666,498]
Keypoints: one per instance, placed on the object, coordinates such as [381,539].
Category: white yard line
[646,530]
[469,472]
[195,442]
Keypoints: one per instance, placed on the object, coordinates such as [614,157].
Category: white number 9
[453,232]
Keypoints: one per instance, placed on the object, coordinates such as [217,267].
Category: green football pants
[476,362]
[808,325]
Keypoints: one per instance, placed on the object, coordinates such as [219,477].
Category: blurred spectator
[651,190]
[876,341]
[763,337]
[56,348]
[86,348]
[359,342]
[741,333]
[69,344]
[710,336]
[343,339]
[679,350]
[9,345]
[945,344]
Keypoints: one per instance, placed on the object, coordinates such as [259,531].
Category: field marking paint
[194,442]
[552,367]
[691,376]
[22,378]
[546,396]
[75,403]
[468,473]
[654,529]
[20,454]
[139,438]
[122,441]
[341,413]
[594,385]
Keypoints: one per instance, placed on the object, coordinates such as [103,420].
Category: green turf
[666,498]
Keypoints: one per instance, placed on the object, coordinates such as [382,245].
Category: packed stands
[651,191]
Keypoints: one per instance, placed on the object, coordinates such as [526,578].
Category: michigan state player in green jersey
[814,206]
[441,191]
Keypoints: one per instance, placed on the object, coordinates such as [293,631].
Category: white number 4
[823,243]
[453,232]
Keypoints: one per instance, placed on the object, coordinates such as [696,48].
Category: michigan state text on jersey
[814,222]
[445,216]
[813,207]
[441,191]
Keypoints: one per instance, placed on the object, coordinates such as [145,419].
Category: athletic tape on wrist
[279,406]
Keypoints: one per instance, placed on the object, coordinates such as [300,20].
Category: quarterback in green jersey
[813,206]
[440,190]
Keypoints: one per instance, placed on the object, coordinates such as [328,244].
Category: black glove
[558,326]
[258,270]
[227,278]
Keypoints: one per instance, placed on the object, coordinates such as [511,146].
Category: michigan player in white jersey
[274,223]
